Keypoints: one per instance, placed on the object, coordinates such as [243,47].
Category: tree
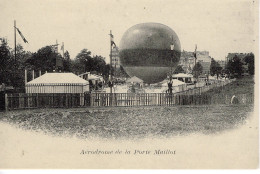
[215,68]
[197,70]
[83,61]
[45,60]
[250,61]
[67,62]
[106,71]
[11,69]
[98,64]
[234,66]
[21,57]
[5,63]
[178,70]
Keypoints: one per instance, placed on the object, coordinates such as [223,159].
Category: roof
[94,77]
[182,75]
[84,73]
[134,79]
[91,76]
[58,78]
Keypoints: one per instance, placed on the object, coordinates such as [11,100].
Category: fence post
[81,102]
[66,101]
[6,102]
[37,100]
[20,100]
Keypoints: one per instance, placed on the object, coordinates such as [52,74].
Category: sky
[219,27]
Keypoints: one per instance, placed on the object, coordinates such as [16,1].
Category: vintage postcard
[120,84]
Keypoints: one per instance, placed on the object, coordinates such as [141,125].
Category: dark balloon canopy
[145,51]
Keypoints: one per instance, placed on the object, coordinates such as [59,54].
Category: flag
[62,46]
[112,40]
[195,52]
[25,41]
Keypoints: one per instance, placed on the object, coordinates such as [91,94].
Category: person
[170,86]
[234,100]
[133,89]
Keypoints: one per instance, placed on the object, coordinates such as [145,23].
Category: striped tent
[57,83]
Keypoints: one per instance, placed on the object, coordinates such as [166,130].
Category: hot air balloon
[145,51]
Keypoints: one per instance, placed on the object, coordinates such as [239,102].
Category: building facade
[187,61]
[115,57]
[203,56]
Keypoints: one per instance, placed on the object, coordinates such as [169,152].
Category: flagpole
[14,41]
[63,49]
[195,54]
[110,61]
[15,51]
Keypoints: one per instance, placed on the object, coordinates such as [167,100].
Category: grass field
[132,122]
[137,122]
[240,86]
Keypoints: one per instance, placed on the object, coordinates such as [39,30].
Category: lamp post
[170,83]
[172,50]
[110,56]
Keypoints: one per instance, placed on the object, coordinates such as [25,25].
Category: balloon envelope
[145,51]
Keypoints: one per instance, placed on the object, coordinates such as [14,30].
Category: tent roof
[58,78]
[212,77]
[175,82]
[182,75]
[135,80]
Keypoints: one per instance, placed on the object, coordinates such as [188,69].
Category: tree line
[235,67]
[45,59]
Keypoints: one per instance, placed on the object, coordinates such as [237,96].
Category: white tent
[182,75]
[175,82]
[57,83]
[88,76]
[134,79]
[212,78]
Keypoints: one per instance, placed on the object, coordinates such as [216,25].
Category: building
[115,57]
[203,56]
[206,67]
[57,83]
[187,60]
[222,63]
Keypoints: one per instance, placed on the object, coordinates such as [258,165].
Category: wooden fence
[26,101]
[164,99]
[196,96]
